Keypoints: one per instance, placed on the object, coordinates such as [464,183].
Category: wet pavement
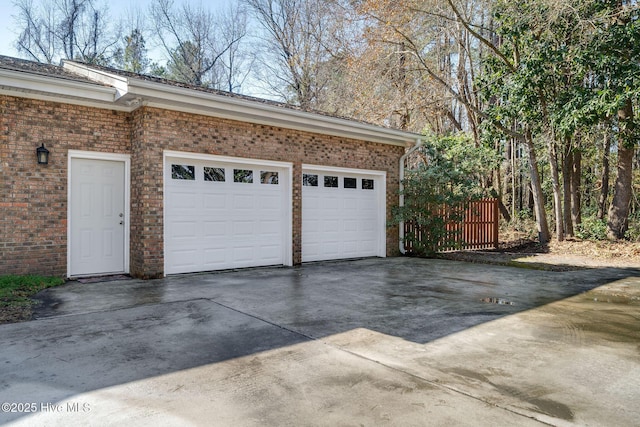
[396,341]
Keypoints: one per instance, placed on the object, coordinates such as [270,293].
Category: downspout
[402,160]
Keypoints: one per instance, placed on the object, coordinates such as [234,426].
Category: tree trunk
[555,180]
[566,183]
[619,210]
[503,209]
[604,179]
[536,192]
[576,172]
[514,191]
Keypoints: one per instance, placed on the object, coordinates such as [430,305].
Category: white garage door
[343,214]
[222,214]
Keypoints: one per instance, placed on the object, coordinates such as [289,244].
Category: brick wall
[169,130]
[33,198]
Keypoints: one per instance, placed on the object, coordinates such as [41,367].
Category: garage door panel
[214,257]
[181,230]
[215,228]
[350,247]
[331,204]
[214,201]
[329,248]
[243,254]
[346,221]
[184,200]
[270,228]
[365,246]
[368,225]
[242,228]
[351,225]
[311,227]
[270,202]
[312,250]
[311,202]
[330,226]
[212,222]
[270,253]
[185,258]
[350,204]
[243,201]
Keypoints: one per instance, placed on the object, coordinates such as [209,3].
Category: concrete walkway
[396,341]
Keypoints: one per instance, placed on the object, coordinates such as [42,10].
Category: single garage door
[343,214]
[221,213]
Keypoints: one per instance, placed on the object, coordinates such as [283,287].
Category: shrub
[633,234]
[592,228]
[436,190]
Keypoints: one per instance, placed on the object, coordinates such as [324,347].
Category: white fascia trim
[335,169]
[193,101]
[121,84]
[20,83]
[227,159]
[96,155]
[288,246]
[60,99]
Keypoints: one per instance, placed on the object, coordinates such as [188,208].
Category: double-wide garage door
[223,213]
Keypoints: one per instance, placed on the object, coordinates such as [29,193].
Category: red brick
[34,197]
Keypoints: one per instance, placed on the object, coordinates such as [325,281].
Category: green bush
[592,228]
[633,234]
[450,175]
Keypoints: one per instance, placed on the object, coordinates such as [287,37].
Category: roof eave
[112,91]
[25,84]
[188,100]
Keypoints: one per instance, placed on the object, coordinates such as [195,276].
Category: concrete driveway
[396,341]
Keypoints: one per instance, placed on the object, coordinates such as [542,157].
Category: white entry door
[96,217]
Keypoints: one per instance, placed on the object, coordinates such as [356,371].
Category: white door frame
[95,155]
[288,166]
[382,197]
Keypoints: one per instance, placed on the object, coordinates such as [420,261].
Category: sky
[117,8]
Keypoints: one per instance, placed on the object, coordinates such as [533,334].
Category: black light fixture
[42,154]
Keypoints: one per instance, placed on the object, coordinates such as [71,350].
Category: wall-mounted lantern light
[43,155]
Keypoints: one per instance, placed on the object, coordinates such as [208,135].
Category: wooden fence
[476,228]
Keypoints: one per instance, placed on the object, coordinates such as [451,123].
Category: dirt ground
[15,314]
[556,256]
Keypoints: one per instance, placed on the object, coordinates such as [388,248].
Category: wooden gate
[476,229]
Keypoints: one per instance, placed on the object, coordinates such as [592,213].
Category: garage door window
[183,172]
[309,180]
[243,175]
[267,177]
[350,183]
[331,181]
[367,184]
[214,174]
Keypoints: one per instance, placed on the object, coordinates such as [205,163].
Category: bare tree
[37,38]
[191,40]
[132,51]
[235,64]
[295,47]
[72,29]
